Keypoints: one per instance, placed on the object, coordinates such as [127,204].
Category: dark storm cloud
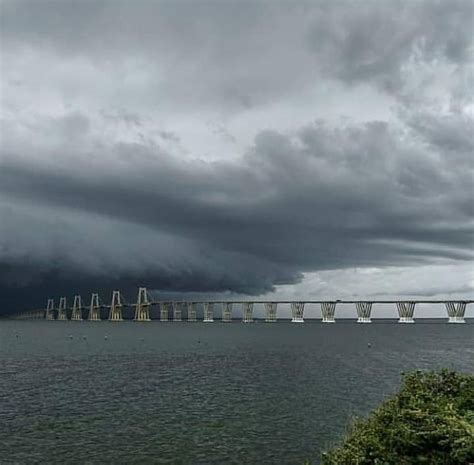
[96,193]
[340,197]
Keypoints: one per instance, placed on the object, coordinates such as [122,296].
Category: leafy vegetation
[430,421]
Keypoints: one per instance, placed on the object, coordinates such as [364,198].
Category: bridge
[173,310]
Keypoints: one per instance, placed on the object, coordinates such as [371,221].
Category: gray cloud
[340,197]
[245,53]
[373,41]
[207,147]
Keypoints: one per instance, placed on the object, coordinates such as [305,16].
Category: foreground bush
[430,421]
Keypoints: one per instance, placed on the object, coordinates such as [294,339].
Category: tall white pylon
[363,312]
[49,315]
[177,311]
[270,312]
[191,311]
[226,312]
[76,314]
[62,309]
[456,312]
[115,313]
[297,311]
[142,307]
[405,312]
[208,312]
[328,309]
[94,308]
[163,311]
[247,308]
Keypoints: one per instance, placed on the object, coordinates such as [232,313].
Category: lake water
[195,393]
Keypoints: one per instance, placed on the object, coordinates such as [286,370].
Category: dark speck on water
[267,394]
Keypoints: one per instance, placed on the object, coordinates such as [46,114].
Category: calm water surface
[194,393]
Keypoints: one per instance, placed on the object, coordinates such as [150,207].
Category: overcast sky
[303,149]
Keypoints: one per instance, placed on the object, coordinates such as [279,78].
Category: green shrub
[430,421]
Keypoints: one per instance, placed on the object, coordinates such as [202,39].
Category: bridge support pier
[62,315]
[191,311]
[164,311]
[247,308]
[328,309]
[94,308]
[49,314]
[363,312]
[176,311]
[226,312]
[270,312]
[115,313]
[208,312]
[405,312]
[456,311]
[76,314]
[297,311]
[142,307]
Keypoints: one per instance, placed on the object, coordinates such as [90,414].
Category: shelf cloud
[233,147]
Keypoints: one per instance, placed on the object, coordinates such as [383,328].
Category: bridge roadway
[406,308]
[157,302]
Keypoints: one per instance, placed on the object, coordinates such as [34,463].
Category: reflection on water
[190,393]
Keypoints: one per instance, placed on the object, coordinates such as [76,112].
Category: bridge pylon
[364,310]
[94,308]
[191,306]
[62,315]
[142,307]
[405,312]
[297,311]
[226,312]
[456,311]
[270,312]
[49,314]
[176,311]
[164,311]
[247,312]
[208,312]
[76,314]
[328,310]
[115,313]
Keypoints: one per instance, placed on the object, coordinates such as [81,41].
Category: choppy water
[194,393]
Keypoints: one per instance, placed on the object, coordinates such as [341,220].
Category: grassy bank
[430,421]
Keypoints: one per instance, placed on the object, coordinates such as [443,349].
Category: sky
[303,149]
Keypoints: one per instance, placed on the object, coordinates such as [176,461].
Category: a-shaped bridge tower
[49,314]
[76,314]
[142,307]
[94,308]
[62,315]
[115,313]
